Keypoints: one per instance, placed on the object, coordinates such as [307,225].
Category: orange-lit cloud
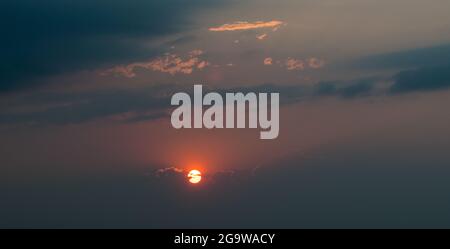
[261,37]
[195,53]
[294,64]
[316,63]
[246,26]
[268,61]
[202,64]
[300,65]
[170,63]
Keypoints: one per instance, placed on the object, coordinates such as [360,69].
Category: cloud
[268,61]
[164,172]
[140,105]
[75,108]
[261,37]
[363,87]
[422,69]
[300,65]
[151,103]
[177,176]
[129,106]
[407,59]
[294,64]
[423,79]
[202,64]
[359,88]
[195,53]
[288,93]
[170,63]
[316,63]
[46,38]
[246,26]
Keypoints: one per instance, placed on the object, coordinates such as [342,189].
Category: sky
[86,139]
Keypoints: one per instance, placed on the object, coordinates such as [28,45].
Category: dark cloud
[422,69]
[362,89]
[149,103]
[423,79]
[420,57]
[353,89]
[288,93]
[131,105]
[74,108]
[42,38]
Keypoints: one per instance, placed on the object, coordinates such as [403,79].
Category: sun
[194,176]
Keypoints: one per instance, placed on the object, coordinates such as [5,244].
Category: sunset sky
[86,139]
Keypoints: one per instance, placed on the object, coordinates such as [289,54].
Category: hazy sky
[85,130]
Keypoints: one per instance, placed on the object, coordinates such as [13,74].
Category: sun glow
[194,176]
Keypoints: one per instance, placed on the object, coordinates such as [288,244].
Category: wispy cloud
[246,26]
[170,63]
[261,37]
[168,171]
[300,65]
[316,63]
[295,64]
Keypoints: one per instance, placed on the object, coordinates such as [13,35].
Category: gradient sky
[85,130]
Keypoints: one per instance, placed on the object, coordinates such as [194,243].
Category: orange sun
[194,176]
